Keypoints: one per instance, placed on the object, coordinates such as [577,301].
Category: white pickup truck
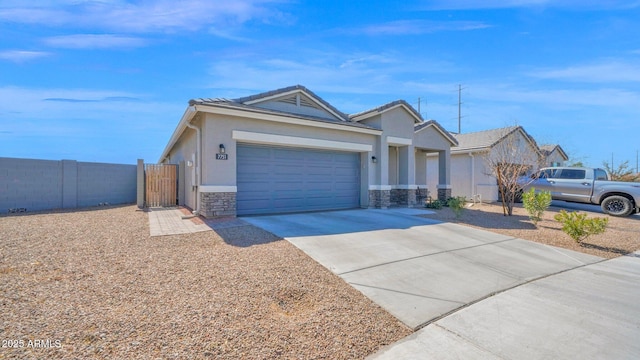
[587,185]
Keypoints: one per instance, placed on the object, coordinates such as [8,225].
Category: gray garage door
[278,180]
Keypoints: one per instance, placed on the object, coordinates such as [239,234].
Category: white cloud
[20,56]
[94,41]
[505,4]
[143,16]
[56,103]
[357,74]
[417,27]
[603,72]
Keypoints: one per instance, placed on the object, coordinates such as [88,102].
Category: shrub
[457,204]
[435,204]
[579,227]
[536,204]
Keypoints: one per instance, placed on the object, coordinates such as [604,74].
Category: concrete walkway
[592,312]
[169,221]
[416,268]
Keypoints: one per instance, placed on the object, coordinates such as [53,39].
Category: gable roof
[387,107]
[484,140]
[289,90]
[547,149]
[423,125]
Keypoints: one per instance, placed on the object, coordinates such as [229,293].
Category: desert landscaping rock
[621,237]
[99,285]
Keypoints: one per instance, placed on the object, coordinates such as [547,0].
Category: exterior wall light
[374,159]
[221,148]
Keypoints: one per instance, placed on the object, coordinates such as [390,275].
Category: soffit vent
[308,103]
[289,100]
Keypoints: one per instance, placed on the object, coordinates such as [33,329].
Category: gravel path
[94,284]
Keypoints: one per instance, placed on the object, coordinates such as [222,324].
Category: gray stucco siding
[218,130]
[430,138]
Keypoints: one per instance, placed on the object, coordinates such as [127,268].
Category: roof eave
[266,114]
[188,115]
[378,111]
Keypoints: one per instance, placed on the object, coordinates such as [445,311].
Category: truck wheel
[617,205]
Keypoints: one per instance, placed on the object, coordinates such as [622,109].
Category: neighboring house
[470,176]
[288,150]
[553,155]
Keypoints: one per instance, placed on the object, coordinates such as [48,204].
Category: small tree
[514,155]
[457,205]
[577,225]
[536,203]
[622,172]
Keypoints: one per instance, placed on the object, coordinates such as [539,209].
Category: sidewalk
[591,312]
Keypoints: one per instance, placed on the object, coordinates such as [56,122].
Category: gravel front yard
[94,284]
[621,237]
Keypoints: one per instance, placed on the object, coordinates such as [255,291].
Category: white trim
[374,112]
[443,186]
[272,139]
[392,140]
[440,130]
[217,188]
[271,97]
[379,187]
[260,115]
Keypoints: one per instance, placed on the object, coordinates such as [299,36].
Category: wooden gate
[161,185]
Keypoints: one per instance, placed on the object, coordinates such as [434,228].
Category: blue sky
[108,80]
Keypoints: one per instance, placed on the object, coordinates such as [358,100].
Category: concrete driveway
[418,269]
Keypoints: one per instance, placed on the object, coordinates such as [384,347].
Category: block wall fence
[35,185]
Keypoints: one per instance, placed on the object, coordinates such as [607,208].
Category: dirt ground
[93,284]
[621,237]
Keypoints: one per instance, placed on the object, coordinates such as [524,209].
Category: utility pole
[611,161]
[425,107]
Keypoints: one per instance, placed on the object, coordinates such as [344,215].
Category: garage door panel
[350,172]
[318,170]
[256,186]
[278,187]
[288,170]
[287,154]
[293,179]
[254,204]
[255,170]
[256,153]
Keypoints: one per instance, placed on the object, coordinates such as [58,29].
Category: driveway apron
[416,268]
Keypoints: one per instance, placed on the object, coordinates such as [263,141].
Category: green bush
[579,227]
[536,204]
[457,204]
[435,204]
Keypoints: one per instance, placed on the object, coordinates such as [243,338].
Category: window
[601,175]
[545,174]
[571,174]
